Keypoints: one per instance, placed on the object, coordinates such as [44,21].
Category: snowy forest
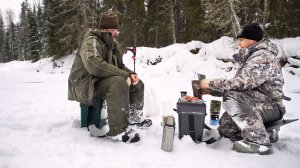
[54,28]
[176,40]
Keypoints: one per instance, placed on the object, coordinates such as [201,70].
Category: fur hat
[109,20]
[251,31]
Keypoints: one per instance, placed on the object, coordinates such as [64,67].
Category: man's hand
[134,79]
[204,84]
[128,81]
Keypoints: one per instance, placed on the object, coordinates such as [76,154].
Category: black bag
[274,113]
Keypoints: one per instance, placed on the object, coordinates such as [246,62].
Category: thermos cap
[170,121]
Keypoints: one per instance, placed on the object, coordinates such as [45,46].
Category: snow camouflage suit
[254,96]
[98,71]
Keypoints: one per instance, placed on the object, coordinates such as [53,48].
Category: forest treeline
[54,28]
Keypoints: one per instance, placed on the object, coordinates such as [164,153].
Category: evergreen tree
[6,48]
[284,19]
[66,22]
[220,17]
[40,32]
[78,16]
[158,23]
[172,4]
[53,23]
[18,43]
[33,36]
[132,17]
[250,11]
[23,33]
[91,13]
[11,30]
[195,21]
[2,38]
[57,27]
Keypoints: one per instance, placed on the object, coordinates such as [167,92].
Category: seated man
[254,96]
[98,71]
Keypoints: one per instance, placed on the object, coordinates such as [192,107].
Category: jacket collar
[242,55]
[106,37]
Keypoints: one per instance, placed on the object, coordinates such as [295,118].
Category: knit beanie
[251,31]
[109,20]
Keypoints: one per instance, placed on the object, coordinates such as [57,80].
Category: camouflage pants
[243,118]
[118,96]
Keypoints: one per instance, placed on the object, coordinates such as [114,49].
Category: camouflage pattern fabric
[243,111]
[255,90]
[228,128]
[259,72]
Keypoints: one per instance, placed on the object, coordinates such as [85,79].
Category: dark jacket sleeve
[90,52]
[254,73]
[127,70]
[120,50]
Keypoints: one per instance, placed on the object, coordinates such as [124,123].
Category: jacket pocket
[83,90]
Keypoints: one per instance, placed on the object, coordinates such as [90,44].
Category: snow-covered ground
[39,127]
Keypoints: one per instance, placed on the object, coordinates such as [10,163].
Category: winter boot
[136,118]
[129,136]
[273,135]
[250,147]
[96,132]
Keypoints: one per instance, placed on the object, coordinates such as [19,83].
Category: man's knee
[111,84]
[228,128]
[118,83]
[230,102]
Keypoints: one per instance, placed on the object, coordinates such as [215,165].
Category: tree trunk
[135,37]
[156,36]
[172,21]
[266,13]
[84,8]
[235,21]
[156,26]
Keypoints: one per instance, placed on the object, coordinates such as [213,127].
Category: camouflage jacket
[259,73]
[99,56]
